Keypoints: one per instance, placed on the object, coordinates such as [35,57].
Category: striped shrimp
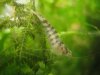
[54,39]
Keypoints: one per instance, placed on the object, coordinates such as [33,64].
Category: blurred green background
[25,50]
